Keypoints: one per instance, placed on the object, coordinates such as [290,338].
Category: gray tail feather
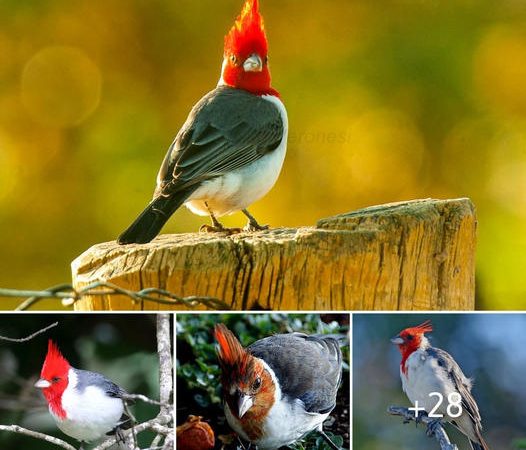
[152,219]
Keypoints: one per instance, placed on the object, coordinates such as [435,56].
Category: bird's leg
[216,226]
[328,440]
[252,224]
[81,445]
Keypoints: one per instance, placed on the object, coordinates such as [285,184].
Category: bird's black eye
[257,384]
[410,337]
[233,59]
[55,379]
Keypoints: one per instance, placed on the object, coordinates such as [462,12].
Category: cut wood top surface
[417,255]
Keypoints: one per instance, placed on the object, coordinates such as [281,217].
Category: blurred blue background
[491,348]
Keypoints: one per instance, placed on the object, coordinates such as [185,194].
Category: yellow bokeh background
[387,101]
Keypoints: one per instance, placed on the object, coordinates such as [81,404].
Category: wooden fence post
[416,255]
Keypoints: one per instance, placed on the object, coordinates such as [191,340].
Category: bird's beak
[244,403]
[42,384]
[397,340]
[253,63]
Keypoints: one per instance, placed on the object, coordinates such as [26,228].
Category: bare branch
[31,336]
[161,419]
[37,435]
[144,399]
[437,431]
[164,349]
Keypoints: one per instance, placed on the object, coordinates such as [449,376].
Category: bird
[281,387]
[425,369]
[229,152]
[85,405]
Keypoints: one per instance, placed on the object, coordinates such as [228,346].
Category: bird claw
[218,229]
[250,227]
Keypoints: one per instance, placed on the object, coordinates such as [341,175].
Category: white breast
[90,414]
[242,187]
[424,376]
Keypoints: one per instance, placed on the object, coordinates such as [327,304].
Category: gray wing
[228,129]
[309,368]
[462,383]
[86,378]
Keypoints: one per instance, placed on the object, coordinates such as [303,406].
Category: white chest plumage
[424,375]
[90,414]
[242,187]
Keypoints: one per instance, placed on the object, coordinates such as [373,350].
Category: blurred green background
[487,347]
[387,101]
[108,344]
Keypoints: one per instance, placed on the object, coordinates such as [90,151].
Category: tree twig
[34,434]
[438,431]
[161,419]
[164,349]
[31,336]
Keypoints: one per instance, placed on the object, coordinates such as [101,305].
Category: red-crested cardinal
[230,150]
[279,388]
[425,369]
[85,405]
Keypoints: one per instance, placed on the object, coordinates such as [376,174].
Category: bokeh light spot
[499,69]
[61,86]
[387,153]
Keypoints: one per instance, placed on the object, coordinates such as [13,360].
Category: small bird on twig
[281,387]
[230,150]
[85,405]
[425,370]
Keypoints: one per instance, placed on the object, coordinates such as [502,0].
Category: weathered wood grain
[417,255]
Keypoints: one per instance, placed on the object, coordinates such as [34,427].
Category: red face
[54,378]
[410,339]
[245,63]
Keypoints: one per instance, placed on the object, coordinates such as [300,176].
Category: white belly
[284,425]
[242,187]
[424,376]
[90,414]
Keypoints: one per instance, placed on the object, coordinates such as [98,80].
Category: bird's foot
[250,227]
[218,229]
[253,224]
[432,426]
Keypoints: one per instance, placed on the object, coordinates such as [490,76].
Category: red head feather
[55,371]
[236,363]
[410,340]
[246,38]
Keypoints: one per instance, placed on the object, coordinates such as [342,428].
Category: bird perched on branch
[279,388]
[230,150]
[425,370]
[85,405]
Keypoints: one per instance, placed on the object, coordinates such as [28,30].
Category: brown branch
[31,336]
[37,435]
